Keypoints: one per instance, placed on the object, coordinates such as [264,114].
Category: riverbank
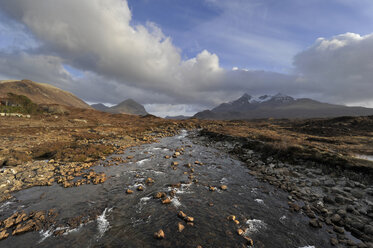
[337,196]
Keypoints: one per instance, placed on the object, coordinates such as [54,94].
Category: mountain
[278,106]
[128,106]
[178,117]
[40,93]
[100,106]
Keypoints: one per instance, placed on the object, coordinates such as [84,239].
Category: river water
[129,220]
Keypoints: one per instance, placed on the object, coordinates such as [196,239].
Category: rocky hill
[278,106]
[40,93]
[128,106]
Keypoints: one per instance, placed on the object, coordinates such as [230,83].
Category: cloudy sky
[179,57]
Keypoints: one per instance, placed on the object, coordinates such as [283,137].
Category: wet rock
[159,235]
[140,188]
[128,191]
[212,188]
[223,187]
[167,157]
[294,207]
[338,229]
[159,195]
[3,234]
[21,217]
[22,228]
[231,217]
[197,162]
[315,223]
[130,157]
[166,201]
[9,222]
[336,218]
[240,231]
[180,227]
[236,222]
[368,229]
[249,241]
[334,241]
[182,215]
[174,163]
[149,180]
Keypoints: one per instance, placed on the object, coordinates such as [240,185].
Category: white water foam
[175,201]
[143,201]
[102,223]
[254,225]
[282,218]
[224,180]
[142,161]
[45,234]
[4,205]
[156,148]
[183,134]
[260,201]
[308,246]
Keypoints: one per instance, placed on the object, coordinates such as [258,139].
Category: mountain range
[278,106]
[128,106]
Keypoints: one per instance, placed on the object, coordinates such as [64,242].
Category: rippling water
[130,220]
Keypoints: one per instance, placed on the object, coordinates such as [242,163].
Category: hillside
[40,93]
[278,106]
[128,106]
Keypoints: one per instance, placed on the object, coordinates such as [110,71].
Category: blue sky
[261,34]
[177,56]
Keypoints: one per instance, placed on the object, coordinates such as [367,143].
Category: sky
[179,57]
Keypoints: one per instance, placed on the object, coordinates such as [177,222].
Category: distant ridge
[128,106]
[40,93]
[278,106]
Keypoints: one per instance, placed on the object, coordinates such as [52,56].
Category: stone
[180,227]
[315,223]
[140,188]
[249,241]
[149,180]
[130,157]
[21,217]
[22,228]
[176,154]
[159,195]
[338,229]
[231,217]
[128,191]
[181,214]
[167,157]
[3,235]
[240,231]
[236,221]
[174,163]
[334,241]
[189,219]
[166,201]
[159,235]
[223,187]
[212,188]
[336,218]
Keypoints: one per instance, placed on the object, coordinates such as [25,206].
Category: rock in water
[180,227]
[159,234]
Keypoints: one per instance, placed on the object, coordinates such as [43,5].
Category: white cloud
[118,60]
[340,68]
